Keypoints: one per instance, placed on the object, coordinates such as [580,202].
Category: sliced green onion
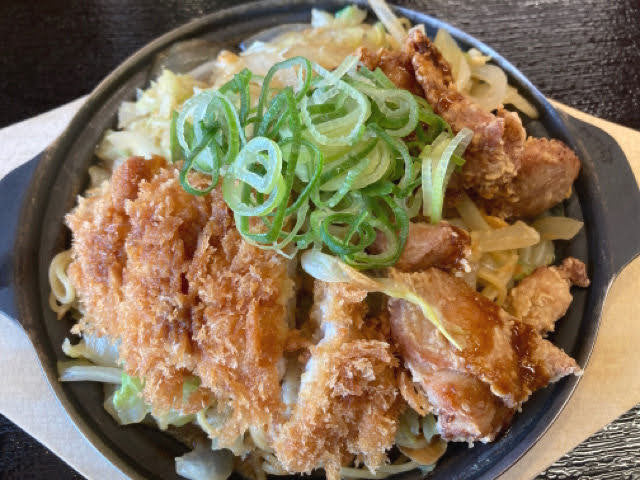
[437,169]
[303,88]
[326,165]
[240,176]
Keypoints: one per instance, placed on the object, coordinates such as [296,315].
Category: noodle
[63,293]
[496,272]
[383,472]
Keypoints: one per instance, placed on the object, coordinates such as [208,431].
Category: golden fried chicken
[167,274]
[467,410]
[511,177]
[543,297]
[548,169]
[442,245]
[394,64]
[348,403]
[493,157]
[502,361]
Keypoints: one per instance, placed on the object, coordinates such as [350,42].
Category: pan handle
[615,196]
[12,191]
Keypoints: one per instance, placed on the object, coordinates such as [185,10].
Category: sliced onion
[471,214]
[389,20]
[426,455]
[452,53]
[489,94]
[80,371]
[518,235]
[514,98]
[557,228]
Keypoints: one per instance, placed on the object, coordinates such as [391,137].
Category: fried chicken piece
[394,64]
[167,273]
[467,410]
[348,403]
[497,350]
[442,245]
[510,176]
[548,169]
[493,156]
[543,297]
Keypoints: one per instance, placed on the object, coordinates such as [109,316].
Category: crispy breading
[493,157]
[508,356]
[413,394]
[544,296]
[99,226]
[348,403]
[168,274]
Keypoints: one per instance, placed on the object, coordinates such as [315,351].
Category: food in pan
[333,251]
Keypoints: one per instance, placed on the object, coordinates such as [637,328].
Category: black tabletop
[585,53]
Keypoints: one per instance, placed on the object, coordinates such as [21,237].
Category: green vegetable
[437,167]
[325,162]
[128,402]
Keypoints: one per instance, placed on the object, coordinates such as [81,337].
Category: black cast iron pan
[35,197]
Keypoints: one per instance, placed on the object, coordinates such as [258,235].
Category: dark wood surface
[585,53]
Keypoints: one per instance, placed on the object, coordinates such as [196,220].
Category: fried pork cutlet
[544,296]
[502,361]
[348,403]
[167,274]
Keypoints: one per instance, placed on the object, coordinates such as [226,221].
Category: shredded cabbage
[81,371]
[117,146]
[99,350]
[146,121]
[202,463]
[128,403]
[538,255]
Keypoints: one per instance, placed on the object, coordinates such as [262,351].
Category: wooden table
[584,53]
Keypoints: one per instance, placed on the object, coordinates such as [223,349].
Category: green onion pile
[338,161]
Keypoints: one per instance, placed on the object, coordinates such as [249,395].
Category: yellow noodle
[63,293]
